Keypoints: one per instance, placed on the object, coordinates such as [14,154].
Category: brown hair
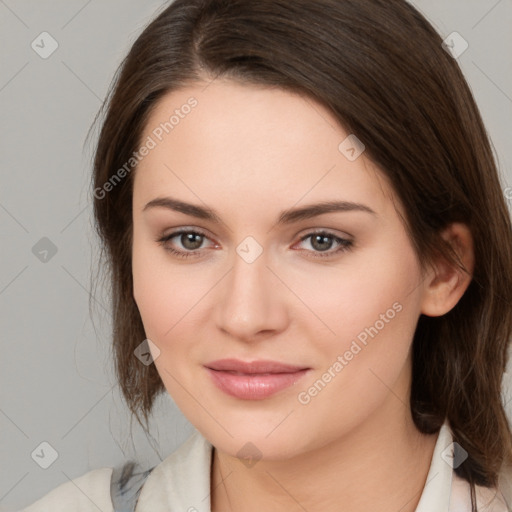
[380,68]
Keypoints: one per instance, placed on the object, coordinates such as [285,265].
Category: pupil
[187,240]
[323,240]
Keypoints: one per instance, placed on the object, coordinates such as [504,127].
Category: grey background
[56,380]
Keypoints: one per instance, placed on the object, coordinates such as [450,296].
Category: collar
[182,480]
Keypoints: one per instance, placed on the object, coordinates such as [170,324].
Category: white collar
[182,481]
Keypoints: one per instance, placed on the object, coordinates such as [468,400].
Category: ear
[445,283]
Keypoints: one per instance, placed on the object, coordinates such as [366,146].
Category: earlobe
[445,283]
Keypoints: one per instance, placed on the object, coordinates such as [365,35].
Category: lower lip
[256,386]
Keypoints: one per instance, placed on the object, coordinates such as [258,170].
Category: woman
[311,253]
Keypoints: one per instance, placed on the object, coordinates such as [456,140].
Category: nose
[252,301]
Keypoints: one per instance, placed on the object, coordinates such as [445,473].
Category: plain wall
[56,379]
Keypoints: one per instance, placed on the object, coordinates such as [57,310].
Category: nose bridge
[251,300]
[248,277]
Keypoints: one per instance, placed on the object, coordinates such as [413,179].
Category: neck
[381,464]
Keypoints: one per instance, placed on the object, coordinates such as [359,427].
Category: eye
[322,241]
[190,240]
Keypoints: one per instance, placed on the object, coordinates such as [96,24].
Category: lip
[254,380]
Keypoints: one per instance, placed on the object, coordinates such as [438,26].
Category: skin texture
[249,153]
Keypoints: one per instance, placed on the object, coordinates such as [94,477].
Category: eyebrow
[285,217]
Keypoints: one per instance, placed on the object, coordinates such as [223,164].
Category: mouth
[254,380]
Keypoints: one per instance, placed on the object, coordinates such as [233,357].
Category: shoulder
[89,492]
[181,478]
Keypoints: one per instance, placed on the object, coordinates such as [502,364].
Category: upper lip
[253,367]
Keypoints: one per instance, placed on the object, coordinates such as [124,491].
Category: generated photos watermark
[357,345]
[151,142]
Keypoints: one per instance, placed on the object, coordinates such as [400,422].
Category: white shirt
[181,482]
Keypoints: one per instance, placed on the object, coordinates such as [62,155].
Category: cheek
[370,295]
[172,300]
[373,307]
[148,290]
[165,293]
[166,305]
[169,299]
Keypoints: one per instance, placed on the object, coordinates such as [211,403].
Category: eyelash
[344,244]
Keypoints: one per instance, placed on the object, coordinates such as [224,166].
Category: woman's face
[257,284]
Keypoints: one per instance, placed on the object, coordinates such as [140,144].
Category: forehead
[240,143]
